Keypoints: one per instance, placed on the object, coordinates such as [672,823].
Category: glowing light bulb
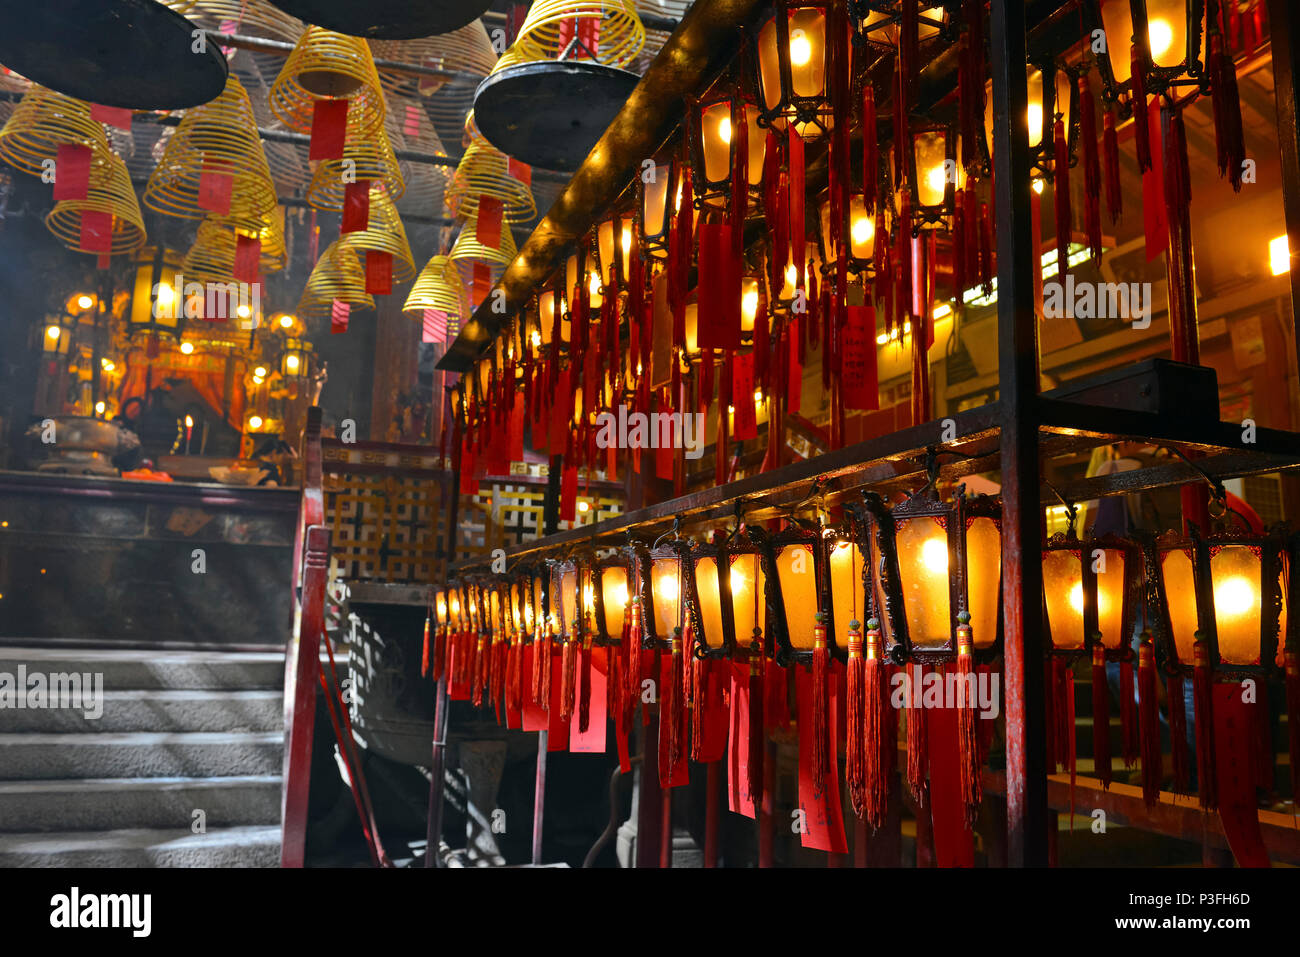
[724,129]
[536,339]
[53,333]
[1076,597]
[863,230]
[244,312]
[593,284]
[187,348]
[1234,596]
[286,322]
[738,580]
[584,507]
[800,48]
[254,421]
[1035,117]
[934,555]
[936,179]
[1161,36]
[189,421]
[1279,255]
[1038,186]
[291,362]
[791,274]
[260,372]
[107,364]
[165,294]
[749,302]
[85,302]
[100,407]
[667,588]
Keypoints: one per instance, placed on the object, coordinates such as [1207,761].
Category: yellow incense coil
[467,245]
[41,123]
[255,18]
[325,65]
[385,233]
[465,51]
[374,160]
[221,134]
[621,33]
[485,170]
[438,287]
[109,192]
[337,276]
[212,257]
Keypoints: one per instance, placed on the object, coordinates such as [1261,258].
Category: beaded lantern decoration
[372,154]
[217,139]
[329,66]
[337,277]
[41,123]
[109,194]
[384,234]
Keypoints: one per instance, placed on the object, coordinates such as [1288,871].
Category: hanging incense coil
[41,123]
[551,25]
[384,234]
[468,246]
[338,276]
[254,18]
[409,125]
[287,161]
[438,287]
[485,171]
[464,51]
[325,66]
[373,155]
[212,257]
[219,134]
[109,191]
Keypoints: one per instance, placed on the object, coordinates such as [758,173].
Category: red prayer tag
[71,172]
[822,820]
[488,226]
[719,289]
[742,397]
[215,187]
[468,470]
[248,254]
[329,123]
[557,726]
[739,799]
[794,378]
[1234,754]
[356,207]
[482,282]
[434,328]
[954,844]
[858,375]
[379,272]
[96,231]
[515,445]
[535,717]
[411,125]
[592,741]
[461,649]
[569,494]
[520,171]
[514,716]
[713,727]
[117,116]
[339,312]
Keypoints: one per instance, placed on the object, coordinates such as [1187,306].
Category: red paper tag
[794,378]
[379,272]
[520,171]
[71,172]
[488,227]
[514,716]
[112,115]
[534,716]
[622,728]
[515,445]
[1234,753]
[822,820]
[719,289]
[560,404]
[742,397]
[557,726]
[215,186]
[96,231]
[461,649]
[954,844]
[482,282]
[569,494]
[248,254]
[776,693]
[329,123]
[712,698]
[739,800]
[468,470]
[356,207]
[858,376]
[434,328]
[411,125]
[593,740]
[339,312]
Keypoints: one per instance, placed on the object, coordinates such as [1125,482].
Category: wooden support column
[1022,573]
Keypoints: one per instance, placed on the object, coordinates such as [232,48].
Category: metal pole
[539,795]
[433,833]
[1022,573]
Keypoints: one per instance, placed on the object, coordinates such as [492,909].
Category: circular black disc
[551,113]
[135,54]
[386,19]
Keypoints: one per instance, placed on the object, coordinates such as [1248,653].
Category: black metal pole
[433,834]
[1022,573]
[551,503]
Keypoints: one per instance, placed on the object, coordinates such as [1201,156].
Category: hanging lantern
[935,175]
[880,23]
[1165,36]
[594,285]
[546,330]
[713,618]
[57,334]
[711,122]
[611,584]
[295,359]
[794,68]
[1052,96]
[613,233]
[658,194]
[859,226]
[157,305]
[662,587]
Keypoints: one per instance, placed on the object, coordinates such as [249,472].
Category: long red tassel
[1100,717]
[1061,198]
[1058,667]
[870,156]
[916,736]
[1128,720]
[514,686]
[699,678]
[1178,734]
[1091,168]
[674,706]
[541,685]
[1152,770]
[440,651]
[967,723]
[986,250]
[855,755]
[1292,661]
[480,669]
[568,676]
[584,694]
[1229,141]
[632,657]
[1141,135]
[820,710]
[424,656]
[496,673]
[1110,146]
[1202,687]
[880,748]
[796,200]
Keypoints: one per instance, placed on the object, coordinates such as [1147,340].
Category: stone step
[102,804]
[144,847]
[138,755]
[133,669]
[155,711]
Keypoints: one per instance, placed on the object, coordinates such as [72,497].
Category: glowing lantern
[794,63]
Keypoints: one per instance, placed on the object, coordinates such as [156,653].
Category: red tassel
[1229,139]
[986,250]
[480,669]
[855,755]
[968,746]
[739,177]
[675,706]
[1110,146]
[757,733]
[632,657]
[916,736]
[821,712]
[1202,688]
[796,198]
[1057,668]
[1128,720]
[1061,197]
[568,677]
[424,656]
[440,651]
[1292,661]
[496,672]
[1091,168]
[1178,734]
[1141,134]
[1100,716]
[880,756]
[959,281]
[514,684]
[870,157]
[541,685]
[697,677]
[584,696]
[1152,770]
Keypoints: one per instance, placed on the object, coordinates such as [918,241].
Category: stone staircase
[180,732]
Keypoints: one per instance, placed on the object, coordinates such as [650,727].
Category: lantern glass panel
[566,608]
[1238,604]
[1180,595]
[613,589]
[931,169]
[665,594]
[546,318]
[922,545]
[1117,22]
[707,588]
[748,305]
[1110,596]
[983,579]
[692,321]
[654,205]
[1167,32]
[748,607]
[1280,658]
[846,587]
[605,241]
[1034,117]
[807,56]
[440,604]
[862,229]
[453,608]
[593,280]
[494,608]
[796,572]
[715,137]
[538,601]
[1063,590]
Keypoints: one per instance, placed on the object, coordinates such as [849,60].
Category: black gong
[551,113]
[135,54]
[386,19]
